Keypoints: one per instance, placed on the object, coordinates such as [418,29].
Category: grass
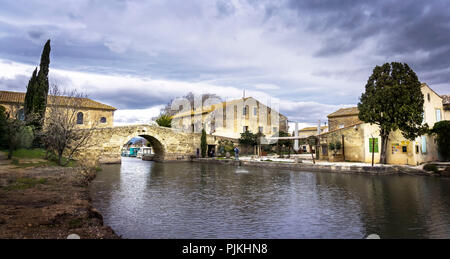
[35,153]
[25,183]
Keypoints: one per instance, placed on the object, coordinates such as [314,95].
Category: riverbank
[48,202]
[320,166]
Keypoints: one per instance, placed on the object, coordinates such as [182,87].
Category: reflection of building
[308,132]
[89,112]
[357,138]
[230,119]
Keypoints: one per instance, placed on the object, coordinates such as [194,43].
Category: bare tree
[62,135]
[167,110]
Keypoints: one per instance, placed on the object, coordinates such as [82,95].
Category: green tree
[442,131]
[3,124]
[164,120]
[37,91]
[284,143]
[203,144]
[393,100]
[15,132]
[248,138]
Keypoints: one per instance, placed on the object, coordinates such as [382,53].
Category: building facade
[230,119]
[308,132]
[358,139]
[89,113]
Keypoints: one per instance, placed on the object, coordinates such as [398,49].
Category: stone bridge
[168,144]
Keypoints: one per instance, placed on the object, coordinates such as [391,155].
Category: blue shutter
[424,145]
[438,115]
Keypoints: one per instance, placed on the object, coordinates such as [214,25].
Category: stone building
[230,119]
[308,132]
[358,138]
[343,117]
[89,113]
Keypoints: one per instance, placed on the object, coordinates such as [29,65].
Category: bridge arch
[169,144]
[157,146]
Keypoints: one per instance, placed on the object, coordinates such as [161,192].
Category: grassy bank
[23,158]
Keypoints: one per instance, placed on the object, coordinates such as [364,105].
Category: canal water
[141,199]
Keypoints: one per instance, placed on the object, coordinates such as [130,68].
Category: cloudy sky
[312,56]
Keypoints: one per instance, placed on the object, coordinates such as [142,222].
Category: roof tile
[19,97]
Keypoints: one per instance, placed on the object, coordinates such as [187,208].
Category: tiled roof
[19,97]
[344,112]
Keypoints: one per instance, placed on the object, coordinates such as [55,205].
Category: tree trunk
[59,158]
[10,153]
[384,142]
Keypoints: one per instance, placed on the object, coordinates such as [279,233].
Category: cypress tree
[37,90]
[29,96]
[203,144]
[40,98]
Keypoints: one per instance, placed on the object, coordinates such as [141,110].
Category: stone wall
[353,144]
[335,123]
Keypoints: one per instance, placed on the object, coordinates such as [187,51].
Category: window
[404,149]
[417,149]
[438,115]
[275,129]
[80,118]
[428,97]
[255,111]
[21,115]
[245,128]
[244,111]
[424,145]
[103,120]
[324,150]
[260,129]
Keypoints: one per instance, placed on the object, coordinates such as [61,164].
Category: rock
[228,155]
[73,236]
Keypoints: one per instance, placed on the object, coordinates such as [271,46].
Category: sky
[313,57]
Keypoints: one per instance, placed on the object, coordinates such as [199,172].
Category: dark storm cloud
[400,28]
[316,55]
[131,100]
[18,83]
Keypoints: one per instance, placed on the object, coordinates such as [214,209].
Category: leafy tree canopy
[248,138]
[393,100]
[164,120]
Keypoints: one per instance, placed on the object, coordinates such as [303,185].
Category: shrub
[430,167]
[442,131]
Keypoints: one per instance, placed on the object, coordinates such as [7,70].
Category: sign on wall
[395,148]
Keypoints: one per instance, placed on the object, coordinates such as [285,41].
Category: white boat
[144,151]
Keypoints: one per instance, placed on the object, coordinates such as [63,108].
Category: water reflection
[188,200]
